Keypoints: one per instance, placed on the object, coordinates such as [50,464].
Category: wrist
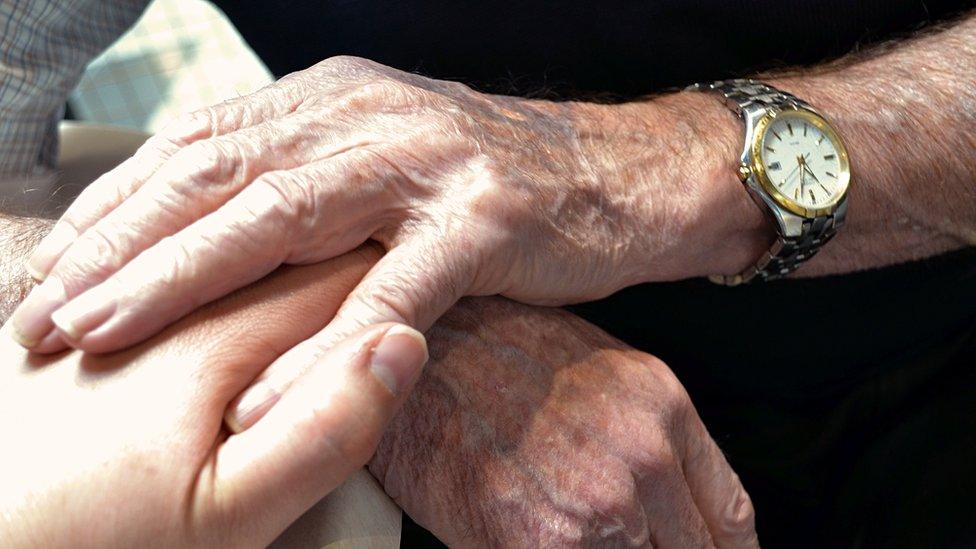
[671,163]
[18,238]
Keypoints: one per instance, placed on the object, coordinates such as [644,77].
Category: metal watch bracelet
[743,96]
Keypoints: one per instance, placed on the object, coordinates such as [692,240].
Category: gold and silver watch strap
[743,96]
[787,254]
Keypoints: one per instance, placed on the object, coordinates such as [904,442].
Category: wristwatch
[795,167]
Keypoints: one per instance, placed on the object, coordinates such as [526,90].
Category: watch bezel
[758,168]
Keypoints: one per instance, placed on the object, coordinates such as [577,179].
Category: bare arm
[18,238]
[637,423]
[910,112]
[907,111]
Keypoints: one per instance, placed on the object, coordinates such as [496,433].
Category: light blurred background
[181,55]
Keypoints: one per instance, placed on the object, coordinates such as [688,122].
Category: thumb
[412,284]
[325,427]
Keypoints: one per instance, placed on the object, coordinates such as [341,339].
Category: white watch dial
[802,162]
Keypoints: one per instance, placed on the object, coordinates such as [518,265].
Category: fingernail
[31,322]
[253,404]
[85,313]
[49,250]
[398,358]
[38,276]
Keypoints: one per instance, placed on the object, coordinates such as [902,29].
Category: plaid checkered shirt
[45,46]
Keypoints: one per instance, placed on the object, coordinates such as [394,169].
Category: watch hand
[801,163]
[813,175]
[790,175]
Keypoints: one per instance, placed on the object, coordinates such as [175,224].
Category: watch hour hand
[813,175]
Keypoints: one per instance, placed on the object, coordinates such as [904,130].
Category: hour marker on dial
[775,166]
[830,156]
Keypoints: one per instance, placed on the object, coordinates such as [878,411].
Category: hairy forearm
[907,111]
[28,208]
[18,238]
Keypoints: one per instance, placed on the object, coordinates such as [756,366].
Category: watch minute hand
[813,175]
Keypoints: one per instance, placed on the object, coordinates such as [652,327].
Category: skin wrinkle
[554,527]
[834,91]
[936,111]
[18,238]
[509,452]
[680,213]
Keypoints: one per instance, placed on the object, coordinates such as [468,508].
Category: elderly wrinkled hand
[471,194]
[128,449]
[533,428]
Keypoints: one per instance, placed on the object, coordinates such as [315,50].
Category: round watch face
[804,163]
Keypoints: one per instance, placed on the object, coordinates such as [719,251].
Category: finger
[718,493]
[109,190]
[413,284]
[193,183]
[99,251]
[114,187]
[270,222]
[324,428]
[673,519]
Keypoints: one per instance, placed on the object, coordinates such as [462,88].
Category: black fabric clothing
[847,404]
[616,47]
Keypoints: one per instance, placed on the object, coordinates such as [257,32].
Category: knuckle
[679,402]
[290,198]
[390,297]
[615,511]
[674,402]
[659,460]
[384,88]
[346,66]
[382,92]
[203,159]
[228,115]
[95,255]
[211,162]
[342,61]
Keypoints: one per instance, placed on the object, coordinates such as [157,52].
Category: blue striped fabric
[45,46]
